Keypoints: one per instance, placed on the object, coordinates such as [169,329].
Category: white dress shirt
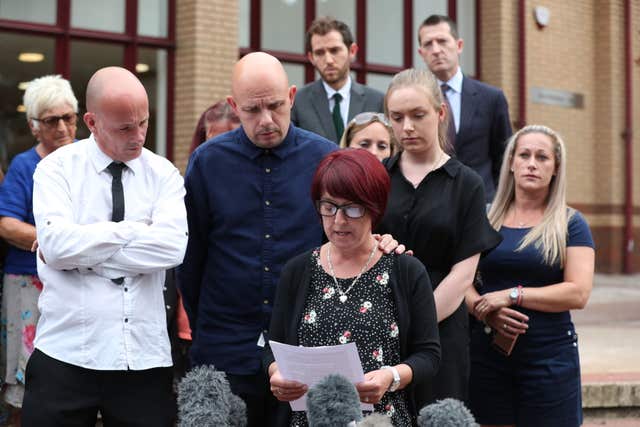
[454,95]
[345,91]
[86,319]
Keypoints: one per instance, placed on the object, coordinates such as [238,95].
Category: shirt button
[90,269]
[126,289]
[168,307]
[266,302]
[267,202]
[266,268]
[126,320]
[267,236]
[268,170]
[48,222]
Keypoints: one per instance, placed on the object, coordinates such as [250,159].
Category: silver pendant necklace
[343,295]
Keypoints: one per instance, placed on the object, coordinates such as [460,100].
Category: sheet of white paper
[309,365]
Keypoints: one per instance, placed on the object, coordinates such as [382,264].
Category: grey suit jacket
[311,107]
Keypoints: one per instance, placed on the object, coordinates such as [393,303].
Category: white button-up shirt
[86,319]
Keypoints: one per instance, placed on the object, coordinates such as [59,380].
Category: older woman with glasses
[51,109]
[349,291]
[372,132]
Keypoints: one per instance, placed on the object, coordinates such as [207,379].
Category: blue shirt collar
[281,151]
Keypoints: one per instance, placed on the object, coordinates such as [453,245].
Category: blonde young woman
[372,132]
[437,208]
[542,269]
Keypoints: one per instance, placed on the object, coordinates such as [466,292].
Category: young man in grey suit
[326,105]
[479,111]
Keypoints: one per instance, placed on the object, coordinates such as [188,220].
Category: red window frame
[361,67]
[64,33]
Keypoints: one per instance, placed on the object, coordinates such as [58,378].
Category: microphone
[333,402]
[446,413]
[205,399]
[376,420]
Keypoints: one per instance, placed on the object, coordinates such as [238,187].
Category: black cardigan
[417,321]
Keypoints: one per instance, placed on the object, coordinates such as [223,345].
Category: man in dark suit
[326,105]
[480,112]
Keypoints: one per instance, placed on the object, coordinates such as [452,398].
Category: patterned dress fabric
[368,317]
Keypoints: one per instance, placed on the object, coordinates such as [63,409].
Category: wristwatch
[396,378]
[513,296]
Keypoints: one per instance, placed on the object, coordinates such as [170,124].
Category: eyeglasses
[368,117]
[351,210]
[52,121]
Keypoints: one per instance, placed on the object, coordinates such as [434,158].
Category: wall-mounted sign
[560,98]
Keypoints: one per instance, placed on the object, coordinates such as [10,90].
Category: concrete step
[611,400]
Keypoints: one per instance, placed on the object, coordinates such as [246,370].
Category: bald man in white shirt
[110,219]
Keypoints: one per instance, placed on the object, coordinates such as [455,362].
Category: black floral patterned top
[368,317]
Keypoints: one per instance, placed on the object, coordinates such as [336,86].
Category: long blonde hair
[425,80]
[550,235]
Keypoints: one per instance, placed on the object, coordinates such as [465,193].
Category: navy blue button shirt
[249,212]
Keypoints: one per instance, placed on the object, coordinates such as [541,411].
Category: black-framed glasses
[52,121]
[351,210]
[369,117]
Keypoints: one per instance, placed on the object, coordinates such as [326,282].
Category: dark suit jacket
[311,107]
[483,132]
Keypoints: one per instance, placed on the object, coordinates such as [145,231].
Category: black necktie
[451,130]
[337,115]
[117,196]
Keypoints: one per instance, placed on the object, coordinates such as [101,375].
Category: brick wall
[207,48]
[582,51]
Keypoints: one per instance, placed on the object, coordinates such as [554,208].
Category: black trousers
[256,393]
[60,394]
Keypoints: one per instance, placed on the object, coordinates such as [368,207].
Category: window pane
[152,18]
[379,81]
[244,23]
[155,82]
[384,31]
[283,25]
[86,59]
[98,15]
[344,10]
[15,136]
[467,29]
[295,73]
[40,11]
[422,10]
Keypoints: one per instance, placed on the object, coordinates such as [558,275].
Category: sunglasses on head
[367,117]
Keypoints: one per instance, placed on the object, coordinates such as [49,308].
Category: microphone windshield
[205,399]
[376,420]
[333,402]
[446,413]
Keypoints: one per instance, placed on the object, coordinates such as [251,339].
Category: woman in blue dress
[542,269]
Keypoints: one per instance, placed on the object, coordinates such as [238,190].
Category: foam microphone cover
[446,413]
[205,399]
[333,402]
[376,420]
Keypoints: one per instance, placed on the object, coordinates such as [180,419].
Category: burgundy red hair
[356,175]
